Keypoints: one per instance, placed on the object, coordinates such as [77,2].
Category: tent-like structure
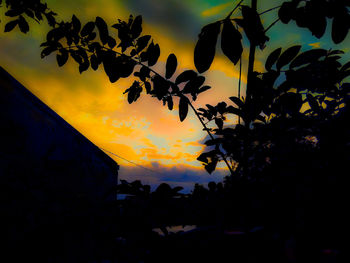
[56,186]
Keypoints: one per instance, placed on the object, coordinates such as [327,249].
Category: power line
[143,167]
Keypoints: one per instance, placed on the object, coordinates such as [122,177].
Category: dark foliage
[313,15]
[286,158]
[20,11]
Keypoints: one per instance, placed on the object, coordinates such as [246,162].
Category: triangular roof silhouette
[54,180]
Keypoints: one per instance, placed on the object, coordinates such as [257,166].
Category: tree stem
[250,74]
[239,85]
[251,60]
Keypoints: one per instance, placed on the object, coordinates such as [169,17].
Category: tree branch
[269,27]
[234,9]
[268,10]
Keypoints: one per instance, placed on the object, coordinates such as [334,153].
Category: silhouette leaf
[204,88]
[170,102]
[272,58]
[103,29]
[47,51]
[11,25]
[317,25]
[111,42]
[219,122]
[287,56]
[54,35]
[171,65]
[345,66]
[142,42]
[183,108]
[84,66]
[193,85]
[221,107]
[23,25]
[211,109]
[76,24]
[237,101]
[153,54]
[62,58]
[285,13]
[210,167]
[111,66]
[94,62]
[136,27]
[160,87]
[231,42]
[126,66]
[87,29]
[235,111]
[148,87]
[204,51]
[51,18]
[134,92]
[14,12]
[29,13]
[313,103]
[213,142]
[203,158]
[185,76]
[340,27]
[308,57]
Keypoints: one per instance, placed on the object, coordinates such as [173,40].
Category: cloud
[315,45]
[216,9]
[175,16]
[180,175]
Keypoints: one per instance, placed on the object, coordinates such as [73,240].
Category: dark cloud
[175,176]
[174,15]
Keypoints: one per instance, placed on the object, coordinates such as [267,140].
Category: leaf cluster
[231,38]
[298,89]
[92,45]
[313,14]
[20,11]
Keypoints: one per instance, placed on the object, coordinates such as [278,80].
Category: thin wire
[129,161]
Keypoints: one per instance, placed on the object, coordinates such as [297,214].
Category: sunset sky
[144,132]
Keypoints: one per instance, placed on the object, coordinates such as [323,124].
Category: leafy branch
[18,11]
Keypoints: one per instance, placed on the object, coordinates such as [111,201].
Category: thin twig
[268,10]
[234,9]
[271,25]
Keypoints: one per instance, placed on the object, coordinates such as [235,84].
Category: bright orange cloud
[216,9]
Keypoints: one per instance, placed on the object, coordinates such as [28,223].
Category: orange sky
[144,132]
